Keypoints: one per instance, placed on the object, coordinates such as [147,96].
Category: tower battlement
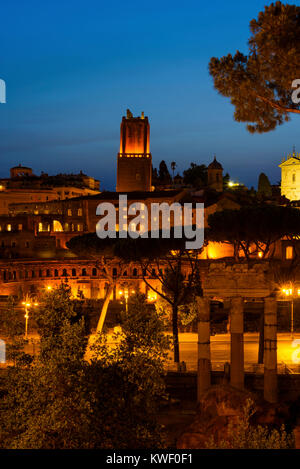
[134,169]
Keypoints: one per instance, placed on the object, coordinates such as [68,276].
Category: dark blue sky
[72,68]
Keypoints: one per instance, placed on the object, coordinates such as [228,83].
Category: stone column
[270,350]
[237,343]
[204,364]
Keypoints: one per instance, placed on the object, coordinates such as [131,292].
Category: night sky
[72,68]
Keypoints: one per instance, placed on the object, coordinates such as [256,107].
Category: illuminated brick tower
[134,170]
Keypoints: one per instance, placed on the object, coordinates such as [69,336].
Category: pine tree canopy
[260,84]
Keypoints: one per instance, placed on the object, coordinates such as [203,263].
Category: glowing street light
[126,296]
[289,292]
[27,305]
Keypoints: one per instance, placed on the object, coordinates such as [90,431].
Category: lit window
[20,226]
[69,212]
[57,226]
[289,252]
[8,227]
[79,212]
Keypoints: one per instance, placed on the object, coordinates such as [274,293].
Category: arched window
[57,226]
[40,273]
[83,272]
[73,272]
[125,273]
[115,272]
[32,273]
[64,273]
[94,271]
[134,272]
[55,273]
[48,273]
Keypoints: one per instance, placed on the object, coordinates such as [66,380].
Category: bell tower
[215,175]
[134,168]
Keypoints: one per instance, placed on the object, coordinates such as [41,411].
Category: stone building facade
[290,176]
[24,186]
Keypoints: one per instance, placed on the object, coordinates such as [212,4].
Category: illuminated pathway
[220,349]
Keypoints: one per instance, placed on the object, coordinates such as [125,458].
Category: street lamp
[27,305]
[290,293]
[126,296]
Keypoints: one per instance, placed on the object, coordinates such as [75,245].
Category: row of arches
[22,274]
[33,273]
[57,226]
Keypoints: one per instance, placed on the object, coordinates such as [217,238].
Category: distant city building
[23,186]
[290,176]
[134,168]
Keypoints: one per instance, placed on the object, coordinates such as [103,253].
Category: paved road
[220,349]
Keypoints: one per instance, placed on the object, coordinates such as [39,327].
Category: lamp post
[290,293]
[27,305]
[126,296]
